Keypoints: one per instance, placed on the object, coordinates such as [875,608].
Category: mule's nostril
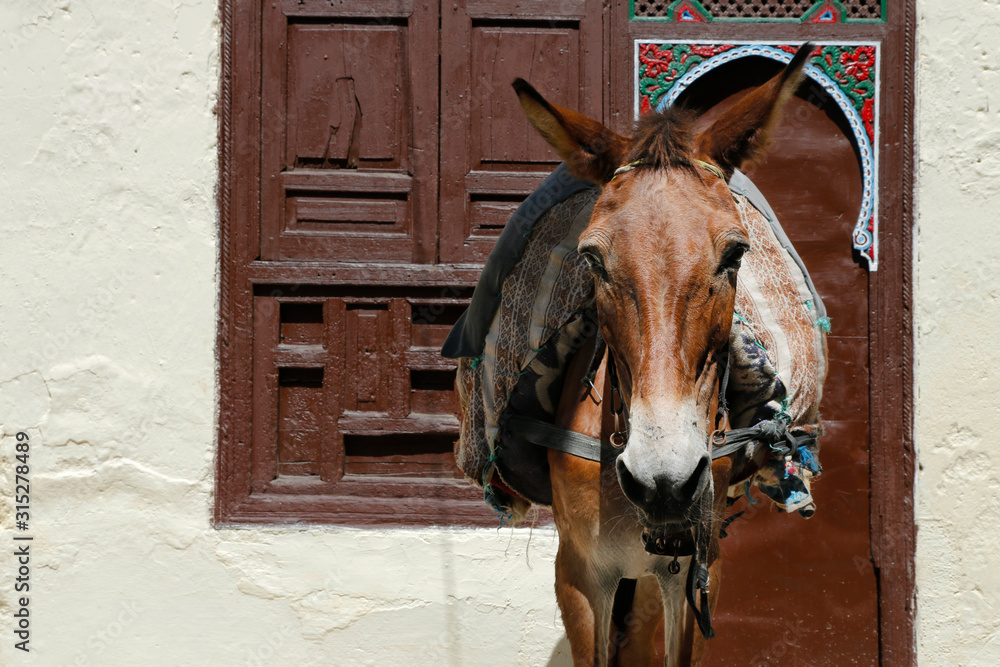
[637,493]
[668,498]
[698,481]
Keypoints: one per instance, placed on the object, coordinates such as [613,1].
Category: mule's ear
[741,134]
[591,151]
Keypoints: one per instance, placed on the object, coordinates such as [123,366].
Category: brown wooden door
[836,589]
[793,587]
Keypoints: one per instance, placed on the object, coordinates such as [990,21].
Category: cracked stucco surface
[107,332]
[957,311]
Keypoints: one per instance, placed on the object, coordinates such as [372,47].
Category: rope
[773,433]
[712,168]
[698,578]
[624,169]
[627,168]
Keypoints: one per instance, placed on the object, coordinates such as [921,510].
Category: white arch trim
[866,242]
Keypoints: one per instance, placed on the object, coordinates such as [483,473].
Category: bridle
[619,411]
[683,543]
[721,442]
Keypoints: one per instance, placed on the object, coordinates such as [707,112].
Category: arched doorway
[793,587]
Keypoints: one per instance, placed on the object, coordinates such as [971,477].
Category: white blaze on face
[665,450]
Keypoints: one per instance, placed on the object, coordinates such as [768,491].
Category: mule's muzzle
[667,501]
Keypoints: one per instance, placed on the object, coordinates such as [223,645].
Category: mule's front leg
[643,627]
[585,601]
[677,637]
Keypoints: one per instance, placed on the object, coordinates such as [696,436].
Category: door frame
[892,455]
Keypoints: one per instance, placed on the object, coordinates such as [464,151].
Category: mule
[664,246]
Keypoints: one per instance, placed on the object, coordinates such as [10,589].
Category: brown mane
[663,139]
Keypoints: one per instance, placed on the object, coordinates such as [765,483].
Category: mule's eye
[594,262]
[732,258]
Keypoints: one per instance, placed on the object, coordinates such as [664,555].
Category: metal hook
[593,390]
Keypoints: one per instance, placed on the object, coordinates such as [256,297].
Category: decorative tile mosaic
[847,72]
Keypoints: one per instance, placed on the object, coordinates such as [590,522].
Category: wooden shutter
[491,159]
[336,405]
[340,277]
[349,123]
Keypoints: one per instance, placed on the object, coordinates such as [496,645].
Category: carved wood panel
[352,388]
[491,158]
[812,11]
[350,144]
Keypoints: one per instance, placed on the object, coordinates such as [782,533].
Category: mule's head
[664,245]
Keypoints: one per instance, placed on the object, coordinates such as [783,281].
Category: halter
[624,169]
[721,443]
[682,543]
[619,438]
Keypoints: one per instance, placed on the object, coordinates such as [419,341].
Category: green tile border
[711,19]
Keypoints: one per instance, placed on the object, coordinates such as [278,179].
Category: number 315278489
[21,491]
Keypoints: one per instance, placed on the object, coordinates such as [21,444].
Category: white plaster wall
[107,321]
[107,325]
[957,316]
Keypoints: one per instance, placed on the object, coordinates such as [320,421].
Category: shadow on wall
[561,656]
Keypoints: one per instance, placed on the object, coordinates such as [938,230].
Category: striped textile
[540,321]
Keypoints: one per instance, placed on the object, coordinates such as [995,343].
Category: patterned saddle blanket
[533,307]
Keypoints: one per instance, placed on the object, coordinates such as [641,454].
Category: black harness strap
[561,439]
[723,409]
[697,578]
[595,361]
[729,520]
[774,433]
[542,433]
[618,408]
